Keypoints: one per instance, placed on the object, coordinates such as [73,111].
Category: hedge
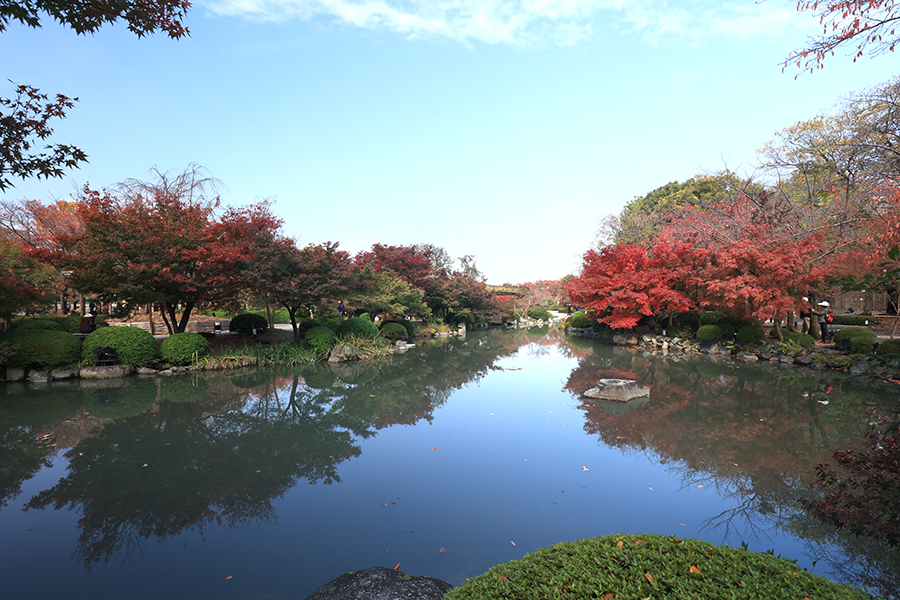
[357,327]
[538,313]
[649,566]
[750,334]
[393,332]
[888,348]
[709,332]
[321,339]
[183,348]
[862,339]
[245,323]
[133,346]
[803,340]
[579,320]
[41,348]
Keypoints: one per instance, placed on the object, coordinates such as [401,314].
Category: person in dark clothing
[823,314]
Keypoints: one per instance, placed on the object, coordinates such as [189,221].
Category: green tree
[385,293]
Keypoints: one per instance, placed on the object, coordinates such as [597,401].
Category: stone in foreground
[620,390]
[110,372]
[380,583]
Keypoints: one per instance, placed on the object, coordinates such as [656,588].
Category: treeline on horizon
[820,216]
[168,243]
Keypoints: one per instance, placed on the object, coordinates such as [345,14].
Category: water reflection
[153,459]
[755,434]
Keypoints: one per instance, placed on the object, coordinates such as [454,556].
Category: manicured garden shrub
[888,348]
[41,348]
[357,327]
[861,320]
[800,339]
[305,326]
[685,332]
[709,332]
[579,319]
[728,330]
[861,339]
[279,315]
[245,323]
[711,317]
[183,348]
[539,313]
[408,325]
[393,332]
[750,334]
[133,346]
[40,323]
[321,339]
[648,566]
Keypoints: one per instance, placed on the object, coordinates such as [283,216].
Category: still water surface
[450,459]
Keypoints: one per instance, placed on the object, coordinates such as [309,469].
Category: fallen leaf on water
[649,488]
[512,542]
[583,468]
[700,486]
[441,550]
[229,577]
[435,448]
[143,465]
[397,566]
[258,470]
[384,503]
[649,577]
[526,460]
[694,569]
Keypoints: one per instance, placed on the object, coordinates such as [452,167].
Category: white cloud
[527,22]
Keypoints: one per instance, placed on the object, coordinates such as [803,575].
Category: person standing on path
[805,316]
[823,315]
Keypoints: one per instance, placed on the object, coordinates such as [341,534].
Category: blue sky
[502,129]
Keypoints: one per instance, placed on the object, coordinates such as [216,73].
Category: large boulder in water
[620,390]
[379,583]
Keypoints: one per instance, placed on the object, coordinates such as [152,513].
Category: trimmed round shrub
[321,339]
[709,332]
[800,339]
[305,326]
[245,323]
[393,332]
[405,323]
[711,317]
[539,313]
[357,327]
[649,566]
[750,334]
[728,330]
[579,319]
[862,339]
[888,348]
[133,345]
[183,348]
[43,348]
[50,324]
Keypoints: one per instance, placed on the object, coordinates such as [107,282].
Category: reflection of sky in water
[504,467]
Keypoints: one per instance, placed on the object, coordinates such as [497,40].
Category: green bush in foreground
[44,348]
[357,327]
[405,323]
[133,345]
[888,348]
[750,334]
[579,319]
[538,313]
[648,566]
[183,348]
[321,339]
[861,339]
[709,332]
[804,340]
[40,324]
[393,332]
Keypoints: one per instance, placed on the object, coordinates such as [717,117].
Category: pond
[459,455]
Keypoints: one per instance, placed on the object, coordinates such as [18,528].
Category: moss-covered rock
[648,566]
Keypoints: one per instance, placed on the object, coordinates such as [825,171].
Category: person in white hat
[824,317]
[805,315]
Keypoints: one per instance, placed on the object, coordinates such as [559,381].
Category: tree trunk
[185,316]
[778,329]
[150,318]
[292,315]
[168,313]
[270,315]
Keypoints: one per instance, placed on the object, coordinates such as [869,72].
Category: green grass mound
[406,324]
[41,348]
[709,332]
[888,348]
[539,313]
[648,566]
[39,323]
[862,339]
[133,346]
[750,334]
[183,348]
[357,327]
[321,339]
[579,320]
